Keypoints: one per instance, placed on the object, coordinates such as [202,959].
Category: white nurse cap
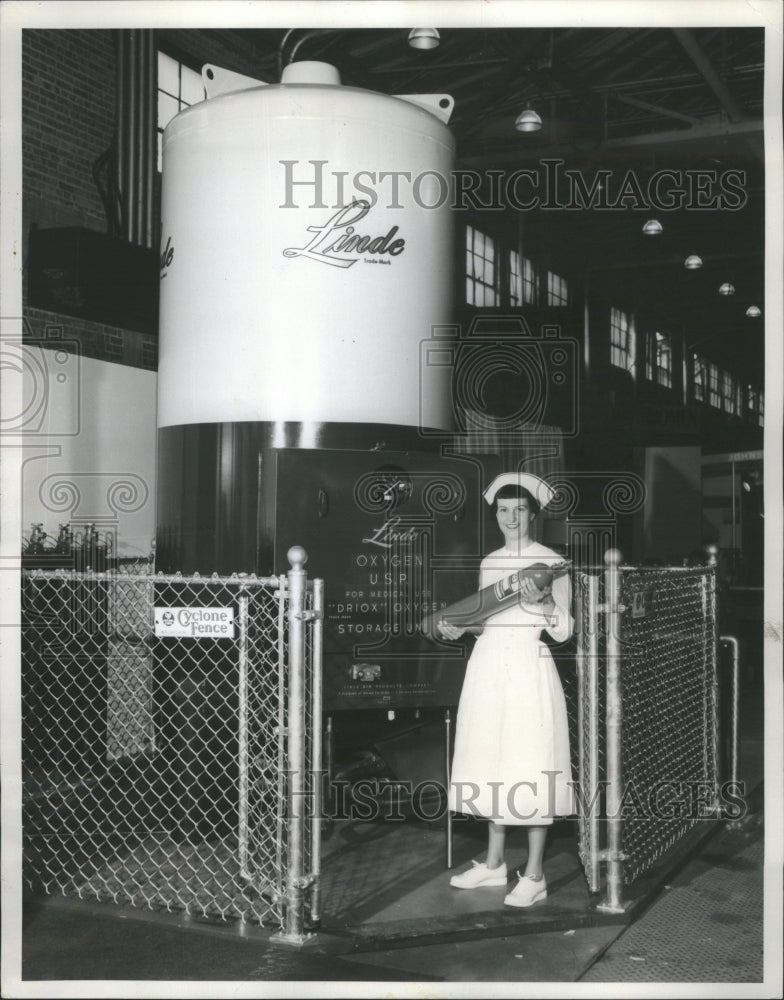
[538,488]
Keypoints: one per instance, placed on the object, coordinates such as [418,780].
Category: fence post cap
[613,557]
[297,556]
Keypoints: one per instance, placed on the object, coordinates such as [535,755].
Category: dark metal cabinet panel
[394,535]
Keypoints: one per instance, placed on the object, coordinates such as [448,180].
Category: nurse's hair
[515,492]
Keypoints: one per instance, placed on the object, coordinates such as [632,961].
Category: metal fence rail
[589,740]
[160,740]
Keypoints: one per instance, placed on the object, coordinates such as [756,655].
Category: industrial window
[179,87]
[530,283]
[481,270]
[699,378]
[755,405]
[515,279]
[523,288]
[557,290]
[658,359]
[620,339]
[714,397]
[727,392]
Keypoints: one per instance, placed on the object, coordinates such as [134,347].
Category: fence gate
[171,734]
[648,715]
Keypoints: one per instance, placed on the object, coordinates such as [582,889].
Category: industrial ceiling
[611,99]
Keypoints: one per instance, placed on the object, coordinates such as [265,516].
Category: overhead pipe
[136,94]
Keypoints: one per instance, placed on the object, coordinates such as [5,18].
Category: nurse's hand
[447,631]
[534,599]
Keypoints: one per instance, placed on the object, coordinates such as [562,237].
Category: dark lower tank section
[391,520]
[215,483]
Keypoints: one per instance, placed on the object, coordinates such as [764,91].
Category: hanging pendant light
[424,38]
[528,120]
[754,311]
[652,227]
[692,262]
[726,289]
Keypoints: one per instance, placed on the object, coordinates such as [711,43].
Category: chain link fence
[157,753]
[669,710]
[649,718]
[172,733]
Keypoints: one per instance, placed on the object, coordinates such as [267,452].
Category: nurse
[511,762]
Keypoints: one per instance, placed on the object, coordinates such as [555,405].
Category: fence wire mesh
[154,752]
[668,708]
[588,715]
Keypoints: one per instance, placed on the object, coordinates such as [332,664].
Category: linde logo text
[338,243]
[389,533]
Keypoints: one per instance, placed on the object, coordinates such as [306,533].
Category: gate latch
[308,616]
[610,855]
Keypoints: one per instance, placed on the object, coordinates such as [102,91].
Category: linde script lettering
[387,534]
[338,236]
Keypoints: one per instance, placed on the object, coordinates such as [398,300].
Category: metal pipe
[121,145]
[613,903]
[734,514]
[710,615]
[582,783]
[148,234]
[130,172]
[448,774]
[315,717]
[242,832]
[282,595]
[135,83]
[592,682]
[330,760]
[297,582]
[734,745]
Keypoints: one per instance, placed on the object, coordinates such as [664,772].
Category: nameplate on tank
[194,623]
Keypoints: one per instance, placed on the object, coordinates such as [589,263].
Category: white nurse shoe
[527,891]
[479,876]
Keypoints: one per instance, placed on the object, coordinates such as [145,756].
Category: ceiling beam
[635,102]
[697,55]
[487,157]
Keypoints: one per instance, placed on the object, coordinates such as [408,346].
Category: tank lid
[320,73]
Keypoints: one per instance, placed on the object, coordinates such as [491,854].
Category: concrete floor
[699,921]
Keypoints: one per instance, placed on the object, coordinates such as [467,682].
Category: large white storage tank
[306,254]
[305,342]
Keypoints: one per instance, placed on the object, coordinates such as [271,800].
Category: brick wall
[95,340]
[68,121]
[68,117]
